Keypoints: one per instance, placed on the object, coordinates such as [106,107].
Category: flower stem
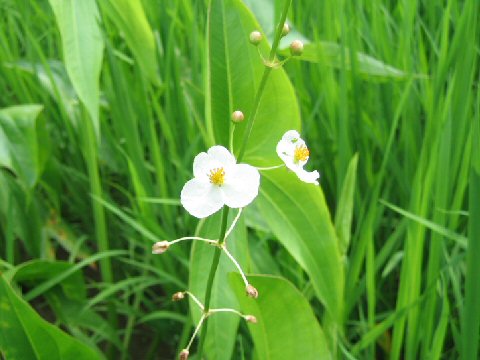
[270,167]
[211,277]
[263,82]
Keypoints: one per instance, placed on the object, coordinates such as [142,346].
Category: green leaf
[299,217]
[54,79]
[129,17]
[287,327]
[25,335]
[82,42]
[343,216]
[234,72]
[36,271]
[330,54]
[449,234]
[20,143]
[222,328]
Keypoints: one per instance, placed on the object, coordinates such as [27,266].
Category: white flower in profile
[219,180]
[294,153]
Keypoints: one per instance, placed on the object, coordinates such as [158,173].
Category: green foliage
[25,335]
[130,18]
[232,84]
[280,309]
[82,43]
[126,93]
[22,143]
[298,216]
[222,330]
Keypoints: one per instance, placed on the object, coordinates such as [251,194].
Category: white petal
[310,177]
[285,148]
[241,185]
[202,164]
[291,136]
[201,198]
[222,155]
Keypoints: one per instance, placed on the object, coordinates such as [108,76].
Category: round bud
[160,247]
[237,116]
[296,48]
[255,37]
[184,354]
[285,29]
[251,291]
[251,319]
[178,296]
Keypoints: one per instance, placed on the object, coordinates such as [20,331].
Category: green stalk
[263,82]
[471,311]
[248,131]
[211,277]
[90,146]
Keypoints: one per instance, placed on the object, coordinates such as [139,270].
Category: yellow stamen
[217,176]
[301,153]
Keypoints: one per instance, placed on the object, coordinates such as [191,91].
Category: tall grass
[411,289]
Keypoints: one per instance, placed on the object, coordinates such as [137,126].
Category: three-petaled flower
[294,153]
[218,181]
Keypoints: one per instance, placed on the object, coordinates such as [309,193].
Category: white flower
[219,180]
[294,153]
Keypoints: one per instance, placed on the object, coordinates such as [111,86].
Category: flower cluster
[219,180]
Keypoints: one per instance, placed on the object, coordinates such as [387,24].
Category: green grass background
[412,264]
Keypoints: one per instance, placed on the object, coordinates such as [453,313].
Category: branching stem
[246,136]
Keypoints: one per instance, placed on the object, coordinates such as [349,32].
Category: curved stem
[237,265]
[202,321]
[234,222]
[192,238]
[270,167]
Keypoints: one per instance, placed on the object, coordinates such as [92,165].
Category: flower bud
[251,291]
[251,319]
[184,354]
[296,48]
[237,116]
[160,247]
[178,296]
[255,37]
[285,30]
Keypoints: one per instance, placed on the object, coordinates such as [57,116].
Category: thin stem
[194,298]
[263,82]
[212,311]
[192,238]
[233,224]
[91,160]
[237,265]
[211,277]
[270,167]
[196,331]
[230,140]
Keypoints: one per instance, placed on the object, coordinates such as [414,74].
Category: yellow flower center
[217,176]
[301,153]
